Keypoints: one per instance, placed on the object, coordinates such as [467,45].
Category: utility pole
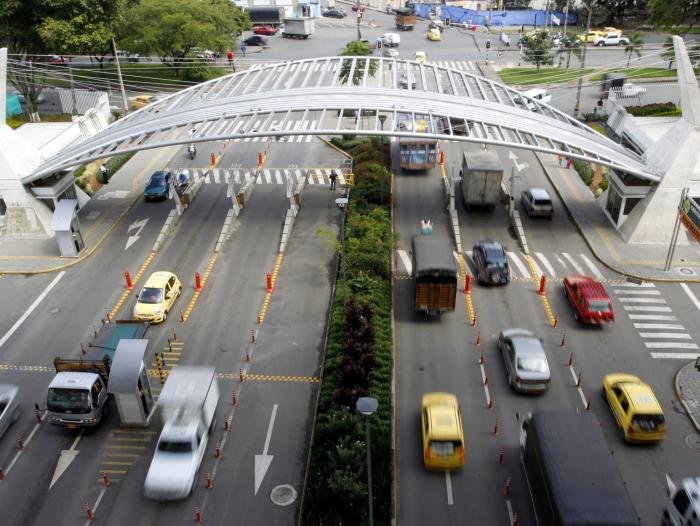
[119,74]
[583,61]
[359,17]
[562,42]
[675,232]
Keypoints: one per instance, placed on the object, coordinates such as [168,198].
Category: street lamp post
[367,406]
[676,231]
[583,61]
[359,17]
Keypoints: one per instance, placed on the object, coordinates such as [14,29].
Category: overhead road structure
[352,95]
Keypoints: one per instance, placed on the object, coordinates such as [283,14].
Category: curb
[682,400]
[329,143]
[593,250]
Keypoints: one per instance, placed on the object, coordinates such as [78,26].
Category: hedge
[357,362]
[657,109]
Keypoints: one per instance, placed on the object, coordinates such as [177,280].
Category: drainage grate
[283,495]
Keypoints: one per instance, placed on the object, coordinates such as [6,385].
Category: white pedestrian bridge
[351,95]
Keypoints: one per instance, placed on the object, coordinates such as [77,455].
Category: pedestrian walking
[333,177]
[103,171]
[569,162]
[243,48]
[561,159]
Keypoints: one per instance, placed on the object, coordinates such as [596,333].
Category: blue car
[158,185]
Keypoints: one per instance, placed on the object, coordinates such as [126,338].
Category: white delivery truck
[298,27]
[187,405]
[482,173]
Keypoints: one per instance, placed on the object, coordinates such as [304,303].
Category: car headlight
[158,312]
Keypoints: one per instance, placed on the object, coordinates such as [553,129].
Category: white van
[538,94]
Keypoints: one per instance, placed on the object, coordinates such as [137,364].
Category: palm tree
[355,48]
[636,41]
[569,45]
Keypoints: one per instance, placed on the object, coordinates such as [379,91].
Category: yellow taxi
[420,57]
[592,35]
[434,34]
[141,101]
[157,297]
[636,409]
[441,426]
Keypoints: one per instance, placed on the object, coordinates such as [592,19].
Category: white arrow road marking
[262,462]
[408,265]
[64,460]
[138,226]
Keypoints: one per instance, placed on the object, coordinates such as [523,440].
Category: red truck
[590,300]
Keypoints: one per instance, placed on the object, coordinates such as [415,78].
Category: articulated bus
[417,154]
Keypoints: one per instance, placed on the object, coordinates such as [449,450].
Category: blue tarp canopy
[13,106]
[498,18]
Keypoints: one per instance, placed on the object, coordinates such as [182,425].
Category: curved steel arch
[358,95]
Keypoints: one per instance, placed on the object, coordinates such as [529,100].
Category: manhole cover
[53,310]
[687,271]
[693,442]
[283,495]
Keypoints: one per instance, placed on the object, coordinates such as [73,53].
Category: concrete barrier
[287,228]
[230,225]
[168,227]
[519,231]
[245,192]
[296,196]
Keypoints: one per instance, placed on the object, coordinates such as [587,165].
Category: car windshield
[68,400]
[151,295]
[444,448]
[495,257]
[543,202]
[156,182]
[174,446]
[599,306]
[532,365]
[648,422]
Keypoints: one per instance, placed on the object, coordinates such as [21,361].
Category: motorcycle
[192,150]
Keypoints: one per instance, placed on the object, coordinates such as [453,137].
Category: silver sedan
[9,407]
[525,360]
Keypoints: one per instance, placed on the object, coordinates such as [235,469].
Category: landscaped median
[358,358]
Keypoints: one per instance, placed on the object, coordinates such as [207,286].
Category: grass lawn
[642,73]
[597,127]
[17,120]
[527,76]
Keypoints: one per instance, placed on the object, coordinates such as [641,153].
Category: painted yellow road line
[134,280]
[543,297]
[268,295]
[195,297]
[122,455]
[279,378]
[468,296]
[113,472]
[116,463]
[123,446]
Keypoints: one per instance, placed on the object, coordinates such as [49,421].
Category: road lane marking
[125,294]
[655,317]
[546,263]
[642,300]
[31,308]
[670,335]
[670,345]
[658,326]
[690,294]
[675,355]
[403,255]
[591,266]
[654,292]
[448,486]
[641,308]
[522,268]
[571,260]
[645,285]
[195,297]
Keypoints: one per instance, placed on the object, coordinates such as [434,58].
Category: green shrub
[656,109]
[584,171]
[604,184]
[80,183]
[79,171]
[594,117]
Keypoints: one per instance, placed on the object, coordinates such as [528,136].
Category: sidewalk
[98,218]
[687,385]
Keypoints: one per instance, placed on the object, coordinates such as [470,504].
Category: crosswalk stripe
[669,335]
[217,176]
[278,176]
[644,308]
[519,264]
[561,262]
[312,127]
[652,317]
[237,177]
[675,355]
[658,326]
[207,180]
[591,266]
[227,177]
[403,255]
[645,285]
[638,292]
[546,263]
[571,260]
[642,300]
[670,345]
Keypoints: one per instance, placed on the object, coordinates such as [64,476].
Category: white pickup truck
[610,39]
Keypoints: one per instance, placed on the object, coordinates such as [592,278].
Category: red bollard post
[506,488]
[563,341]
[213,159]
[174,335]
[474,320]
[227,426]
[555,322]
[481,358]
[490,404]
[240,374]
[252,335]
[182,317]
[571,359]
[442,157]
[38,416]
[82,349]
[210,483]
[514,522]
[197,515]
[486,380]
[260,160]
[88,511]
[578,380]
[468,284]
[109,319]
[588,403]
[19,442]
[501,455]
[197,282]
[2,474]
[105,480]
[543,284]
[127,277]
[268,288]
[495,428]
[233,398]
[247,354]
[217,450]
[478,339]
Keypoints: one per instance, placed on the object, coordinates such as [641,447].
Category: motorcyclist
[192,150]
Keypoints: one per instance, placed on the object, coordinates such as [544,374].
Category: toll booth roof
[63,215]
[126,366]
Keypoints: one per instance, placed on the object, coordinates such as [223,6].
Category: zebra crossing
[316,176]
[655,322]
[462,65]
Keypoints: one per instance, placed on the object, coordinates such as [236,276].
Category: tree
[636,41]
[570,45]
[613,11]
[694,54]
[537,49]
[673,13]
[356,48]
[668,52]
[172,28]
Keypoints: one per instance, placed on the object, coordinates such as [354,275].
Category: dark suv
[491,262]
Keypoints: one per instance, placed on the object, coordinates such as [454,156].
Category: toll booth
[128,383]
[67,228]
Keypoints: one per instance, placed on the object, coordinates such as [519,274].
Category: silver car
[537,203]
[526,362]
[406,79]
[9,406]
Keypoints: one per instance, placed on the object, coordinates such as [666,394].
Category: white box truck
[187,405]
[298,27]
[482,173]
